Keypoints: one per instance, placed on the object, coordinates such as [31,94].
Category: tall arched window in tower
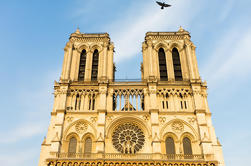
[72,145]
[170,147]
[176,65]
[187,147]
[162,65]
[88,145]
[95,58]
[82,63]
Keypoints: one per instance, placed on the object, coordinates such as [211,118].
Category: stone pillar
[104,65]
[150,59]
[154,111]
[184,64]
[88,66]
[145,61]
[195,64]
[169,63]
[63,75]
[100,146]
[190,59]
[110,62]
[200,112]
[69,60]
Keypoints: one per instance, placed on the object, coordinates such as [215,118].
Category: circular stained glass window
[128,138]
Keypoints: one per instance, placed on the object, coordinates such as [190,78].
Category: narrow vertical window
[93,103]
[166,104]
[72,145]
[187,147]
[181,105]
[163,104]
[77,102]
[170,147]
[95,58]
[88,146]
[176,65]
[82,63]
[185,103]
[162,65]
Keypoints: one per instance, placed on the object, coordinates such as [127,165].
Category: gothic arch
[161,44]
[93,140]
[175,44]
[194,133]
[75,122]
[121,120]
[72,134]
[82,47]
[170,134]
[188,135]
[94,47]
[88,134]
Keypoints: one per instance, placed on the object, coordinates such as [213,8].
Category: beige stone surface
[160,109]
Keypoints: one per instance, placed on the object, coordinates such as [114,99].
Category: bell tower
[88,57]
[169,56]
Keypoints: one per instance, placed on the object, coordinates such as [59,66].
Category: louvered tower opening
[82,63]
[95,58]
[162,65]
[177,65]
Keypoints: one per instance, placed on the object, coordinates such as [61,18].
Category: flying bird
[163,4]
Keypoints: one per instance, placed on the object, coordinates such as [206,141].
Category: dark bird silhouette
[163,4]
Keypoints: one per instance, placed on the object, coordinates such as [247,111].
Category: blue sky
[33,35]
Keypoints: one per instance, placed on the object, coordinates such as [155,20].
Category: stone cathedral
[161,120]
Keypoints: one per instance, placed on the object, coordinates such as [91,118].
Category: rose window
[128,138]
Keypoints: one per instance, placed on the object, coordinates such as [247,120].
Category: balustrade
[82,99]
[128,100]
[129,156]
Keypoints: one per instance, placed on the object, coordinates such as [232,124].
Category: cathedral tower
[161,120]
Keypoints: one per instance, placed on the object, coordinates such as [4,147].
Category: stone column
[150,59]
[190,59]
[195,64]
[110,62]
[63,75]
[200,112]
[69,60]
[169,63]
[88,66]
[100,146]
[104,66]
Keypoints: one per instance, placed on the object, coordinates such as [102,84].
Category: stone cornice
[97,37]
[167,35]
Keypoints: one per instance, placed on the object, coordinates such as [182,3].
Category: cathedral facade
[162,120]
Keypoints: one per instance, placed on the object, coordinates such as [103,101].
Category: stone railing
[142,156]
[128,99]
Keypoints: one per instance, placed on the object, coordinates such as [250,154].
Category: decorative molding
[93,119]
[177,126]
[81,127]
[191,120]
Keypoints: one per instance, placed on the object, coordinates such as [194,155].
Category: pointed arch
[72,148]
[82,64]
[170,146]
[187,146]
[176,64]
[95,60]
[88,145]
[162,65]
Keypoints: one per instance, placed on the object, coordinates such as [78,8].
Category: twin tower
[162,120]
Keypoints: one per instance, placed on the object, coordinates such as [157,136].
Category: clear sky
[34,33]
